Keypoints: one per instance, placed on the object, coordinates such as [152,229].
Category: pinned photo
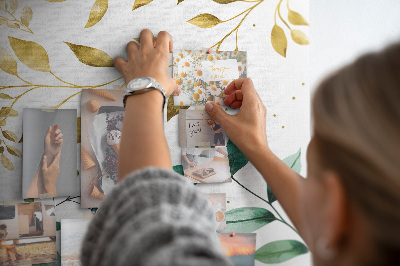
[28,251]
[239,247]
[27,234]
[102,114]
[72,234]
[198,128]
[206,165]
[218,201]
[204,76]
[49,153]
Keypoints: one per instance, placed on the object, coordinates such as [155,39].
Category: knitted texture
[153,217]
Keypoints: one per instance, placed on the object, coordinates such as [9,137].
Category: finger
[48,132]
[44,163]
[119,63]
[57,132]
[233,86]
[217,113]
[146,39]
[236,104]
[60,142]
[246,85]
[235,96]
[164,41]
[131,48]
[56,126]
[59,137]
[177,92]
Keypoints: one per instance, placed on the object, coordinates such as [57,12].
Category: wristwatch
[142,85]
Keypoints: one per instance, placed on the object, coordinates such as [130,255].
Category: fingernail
[209,106]
[179,89]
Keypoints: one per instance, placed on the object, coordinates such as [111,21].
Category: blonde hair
[357,134]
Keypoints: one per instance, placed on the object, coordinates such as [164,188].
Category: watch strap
[153,86]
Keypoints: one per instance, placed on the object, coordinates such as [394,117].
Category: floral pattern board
[204,75]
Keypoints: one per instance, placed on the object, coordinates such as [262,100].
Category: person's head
[351,198]
[3,226]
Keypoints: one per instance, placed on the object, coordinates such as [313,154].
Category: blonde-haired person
[347,209]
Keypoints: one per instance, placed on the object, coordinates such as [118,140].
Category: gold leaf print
[1,149]
[55,0]
[26,15]
[225,1]
[2,2]
[78,128]
[205,20]
[31,54]
[96,14]
[299,37]
[2,21]
[278,40]
[91,56]
[5,96]
[14,151]
[180,1]
[6,163]
[140,3]
[10,135]
[2,123]
[7,62]
[173,110]
[296,19]
[13,5]
[12,25]
[8,111]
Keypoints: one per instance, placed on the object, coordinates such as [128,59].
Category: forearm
[35,187]
[186,159]
[283,181]
[143,140]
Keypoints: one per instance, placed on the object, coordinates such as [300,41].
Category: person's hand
[247,128]
[150,59]
[192,164]
[53,141]
[50,174]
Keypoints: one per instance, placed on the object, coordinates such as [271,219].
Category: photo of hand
[44,182]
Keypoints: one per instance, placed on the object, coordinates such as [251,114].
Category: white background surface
[341,30]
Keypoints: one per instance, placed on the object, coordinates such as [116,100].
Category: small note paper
[204,77]
[219,70]
[198,128]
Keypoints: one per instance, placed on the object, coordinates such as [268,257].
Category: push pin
[208,51]
[232,234]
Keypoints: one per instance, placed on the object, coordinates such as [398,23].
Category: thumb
[217,112]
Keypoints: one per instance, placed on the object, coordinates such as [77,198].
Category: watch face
[141,83]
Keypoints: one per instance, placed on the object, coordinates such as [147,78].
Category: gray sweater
[153,217]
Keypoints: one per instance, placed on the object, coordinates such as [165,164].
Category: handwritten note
[219,70]
[194,128]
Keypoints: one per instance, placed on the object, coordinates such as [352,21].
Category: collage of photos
[204,76]
[49,153]
[240,248]
[27,234]
[102,114]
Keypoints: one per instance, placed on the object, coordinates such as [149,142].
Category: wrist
[149,99]
[49,187]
